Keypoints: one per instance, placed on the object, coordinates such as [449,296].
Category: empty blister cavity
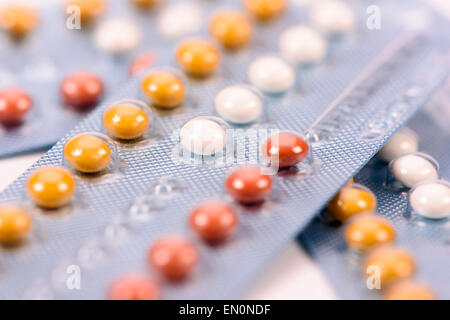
[271,74]
[117,36]
[239,104]
[411,169]
[430,199]
[402,142]
[333,17]
[302,45]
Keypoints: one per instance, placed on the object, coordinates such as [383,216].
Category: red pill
[14,106]
[248,185]
[134,287]
[174,257]
[214,222]
[82,89]
[142,62]
[285,150]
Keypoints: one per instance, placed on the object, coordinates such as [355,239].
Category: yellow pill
[89,9]
[231,28]
[350,201]
[409,290]
[198,57]
[18,19]
[366,231]
[392,264]
[265,9]
[125,121]
[87,153]
[51,187]
[15,224]
[163,89]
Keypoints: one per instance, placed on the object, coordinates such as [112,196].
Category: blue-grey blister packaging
[348,106]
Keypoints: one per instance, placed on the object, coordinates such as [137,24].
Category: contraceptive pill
[203,136]
[265,9]
[248,185]
[15,224]
[126,121]
[431,200]
[146,3]
[134,286]
[173,257]
[285,149]
[332,16]
[231,28]
[409,290]
[81,90]
[89,9]
[271,74]
[238,104]
[412,169]
[164,89]
[117,36]
[15,104]
[350,201]
[302,45]
[198,57]
[18,19]
[404,141]
[51,187]
[87,153]
[179,18]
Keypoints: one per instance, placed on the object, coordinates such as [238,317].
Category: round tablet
[285,150]
[350,201]
[302,45]
[146,3]
[238,104]
[265,9]
[231,28]
[248,185]
[431,200]
[203,136]
[366,231]
[271,74]
[134,287]
[412,169]
[15,224]
[332,16]
[117,36]
[198,57]
[18,19]
[174,257]
[214,222]
[81,90]
[141,62]
[89,9]
[409,290]
[401,143]
[163,89]
[125,121]
[51,187]
[14,106]
[179,18]
[394,264]
[87,153]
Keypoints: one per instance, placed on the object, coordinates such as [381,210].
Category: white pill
[402,142]
[332,16]
[179,19]
[203,136]
[238,104]
[431,200]
[271,74]
[412,169]
[302,45]
[117,36]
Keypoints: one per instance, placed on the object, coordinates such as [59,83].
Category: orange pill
[146,3]
[18,19]
[15,224]
[134,287]
[350,201]
[248,185]
[392,263]
[174,257]
[163,89]
[231,28]
[126,121]
[87,153]
[265,9]
[198,57]
[89,9]
[366,231]
[285,149]
[51,187]
[214,222]
[409,290]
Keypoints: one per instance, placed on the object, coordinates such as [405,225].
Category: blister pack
[149,179]
[424,234]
